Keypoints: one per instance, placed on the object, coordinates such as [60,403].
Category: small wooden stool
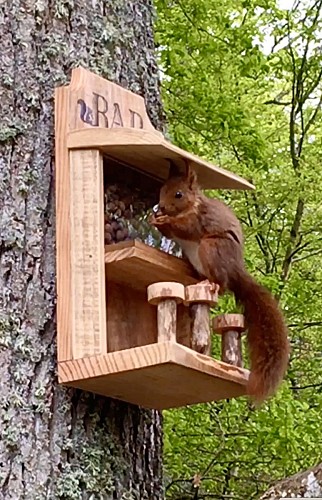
[166,295]
[200,298]
[230,327]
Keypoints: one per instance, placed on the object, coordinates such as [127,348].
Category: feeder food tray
[163,375]
[139,265]
[157,375]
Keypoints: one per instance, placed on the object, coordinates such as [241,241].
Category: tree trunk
[58,443]
[306,484]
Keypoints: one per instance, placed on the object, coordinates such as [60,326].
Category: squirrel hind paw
[214,286]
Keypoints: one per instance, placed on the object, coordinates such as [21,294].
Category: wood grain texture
[183,325]
[131,320]
[226,322]
[201,293]
[88,305]
[160,376]
[110,105]
[138,265]
[231,348]
[200,328]
[230,327]
[81,105]
[167,320]
[149,151]
[157,292]
[64,287]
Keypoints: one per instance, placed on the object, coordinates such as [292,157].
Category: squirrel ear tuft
[191,177]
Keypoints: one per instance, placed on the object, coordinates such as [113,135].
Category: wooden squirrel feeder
[132,321]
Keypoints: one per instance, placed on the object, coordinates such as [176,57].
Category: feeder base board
[159,376]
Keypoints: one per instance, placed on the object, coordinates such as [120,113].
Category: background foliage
[242,87]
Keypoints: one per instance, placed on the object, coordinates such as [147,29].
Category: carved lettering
[86,113]
[98,101]
[134,120]
[117,118]
[99,116]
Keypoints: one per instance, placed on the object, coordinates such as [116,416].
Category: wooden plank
[97,102]
[139,265]
[162,375]
[194,360]
[132,321]
[87,102]
[162,387]
[87,253]
[184,325]
[149,151]
[64,285]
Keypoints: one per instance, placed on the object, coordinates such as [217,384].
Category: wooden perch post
[199,298]
[166,295]
[230,327]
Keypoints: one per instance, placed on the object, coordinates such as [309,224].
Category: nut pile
[126,214]
[126,218]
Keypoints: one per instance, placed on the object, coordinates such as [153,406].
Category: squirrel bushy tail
[266,334]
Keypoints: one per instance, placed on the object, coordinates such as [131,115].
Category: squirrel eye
[178,194]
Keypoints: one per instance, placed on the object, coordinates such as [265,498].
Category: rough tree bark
[58,443]
[306,484]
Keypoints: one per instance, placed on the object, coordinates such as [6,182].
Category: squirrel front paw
[160,220]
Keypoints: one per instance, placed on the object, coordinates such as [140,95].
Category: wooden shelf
[160,376]
[138,265]
[150,152]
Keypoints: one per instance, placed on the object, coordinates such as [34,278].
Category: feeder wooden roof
[150,152]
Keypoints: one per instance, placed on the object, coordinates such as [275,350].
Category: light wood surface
[183,325]
[166,295]
[231,348]
[156,376]
[149,151]
[200,328]
[230,327]
[167,320]
[226,322]
[88,307]
[87,102]
[199,298]
[138,265]
[96,102]
[62,183]
[157,292]
[201,293]
[132,321]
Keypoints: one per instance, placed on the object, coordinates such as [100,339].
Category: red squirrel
[211,237]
